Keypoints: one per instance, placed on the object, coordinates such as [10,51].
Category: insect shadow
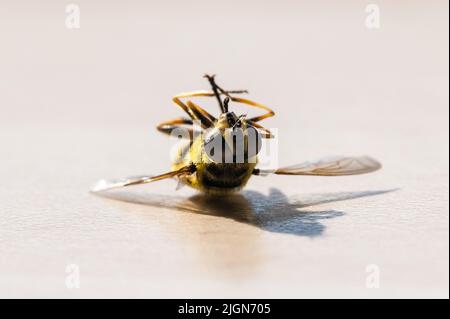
[274,212]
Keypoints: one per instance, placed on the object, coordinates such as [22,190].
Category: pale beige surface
[79,105]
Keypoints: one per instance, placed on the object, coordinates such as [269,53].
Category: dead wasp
[211,161]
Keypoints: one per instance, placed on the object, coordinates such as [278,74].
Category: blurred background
[80,103]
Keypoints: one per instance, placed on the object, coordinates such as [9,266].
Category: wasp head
[232,140]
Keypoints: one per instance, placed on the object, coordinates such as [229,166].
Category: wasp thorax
[232,140]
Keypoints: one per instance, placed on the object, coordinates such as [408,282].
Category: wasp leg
[218,90]
[269,113]
[196,112]
[206,119]
[179,123]
[267,133]
[215,88]
[256,171]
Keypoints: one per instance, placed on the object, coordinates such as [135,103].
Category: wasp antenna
[209,76]
[225,103]
[215,89]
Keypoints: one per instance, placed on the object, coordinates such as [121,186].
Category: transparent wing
[103,185]
[336,166]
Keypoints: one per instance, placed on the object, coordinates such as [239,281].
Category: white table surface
[80,105]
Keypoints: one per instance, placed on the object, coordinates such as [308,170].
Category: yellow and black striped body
[209,176]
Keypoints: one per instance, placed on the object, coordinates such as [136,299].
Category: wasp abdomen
[226,175]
